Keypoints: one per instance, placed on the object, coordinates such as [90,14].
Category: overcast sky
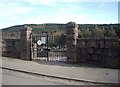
[17,12]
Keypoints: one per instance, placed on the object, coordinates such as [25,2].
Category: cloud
[13,10]
[80,19]
[68,1]
[70,9]
[12,13]
[39,19]
[101,5]
[48,2]
[44,2]
[54,2]
[52,11]
[51,2]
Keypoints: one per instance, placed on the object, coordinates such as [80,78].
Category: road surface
[18,78]
[88,74]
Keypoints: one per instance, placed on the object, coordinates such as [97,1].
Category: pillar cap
[27,28]
[72,24]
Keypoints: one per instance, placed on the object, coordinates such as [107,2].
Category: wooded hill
[50,27]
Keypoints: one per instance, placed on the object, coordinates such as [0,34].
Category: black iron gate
[51,46]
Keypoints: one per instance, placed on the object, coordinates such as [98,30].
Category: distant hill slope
[58,27]
[37,27]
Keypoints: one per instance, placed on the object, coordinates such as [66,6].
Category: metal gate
[51,46]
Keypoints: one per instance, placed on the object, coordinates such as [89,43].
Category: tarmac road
[10,77]
[17,78]
[90,74]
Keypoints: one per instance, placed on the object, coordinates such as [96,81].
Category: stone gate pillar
[71,41]
[26,43]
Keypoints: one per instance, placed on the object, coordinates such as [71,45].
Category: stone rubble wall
[104,52]
[11,44]
[11,48]
[10,35]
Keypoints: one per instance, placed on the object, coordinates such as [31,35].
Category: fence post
[33,51]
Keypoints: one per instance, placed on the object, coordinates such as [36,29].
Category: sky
[18,12]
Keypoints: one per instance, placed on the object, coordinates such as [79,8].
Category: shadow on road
[66,64]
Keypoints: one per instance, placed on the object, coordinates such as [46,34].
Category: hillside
[37,27]
[61,27]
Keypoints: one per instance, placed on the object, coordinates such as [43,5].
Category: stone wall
[17,44]
[10,35]
[11,44]
[11,48]
[104,52]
